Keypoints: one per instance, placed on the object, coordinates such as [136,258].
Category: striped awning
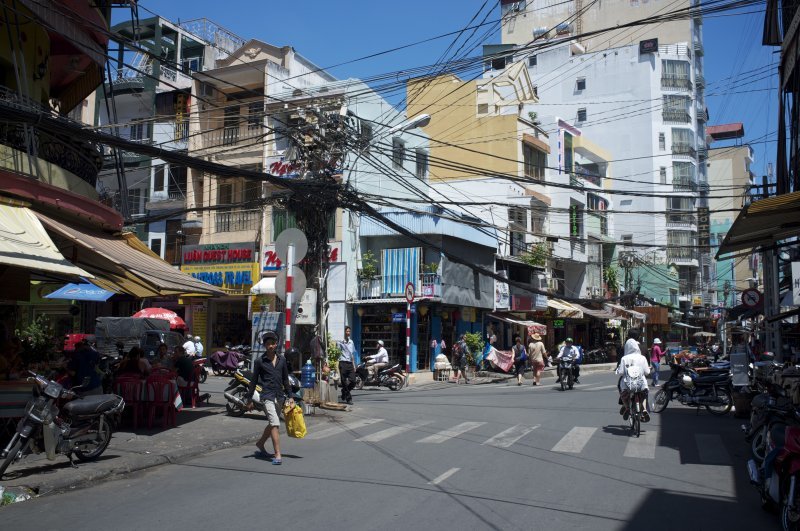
[564,309]
[399,267]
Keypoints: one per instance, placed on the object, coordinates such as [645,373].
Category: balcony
[238,220]
[684,184]
[702,153]
[698,48]
[676,83]
[172,200]
[231,137]
[429,286]
[681,256]
[680,220]
[679,50]
[588,174]
[672,115]
[129,79]
[80,158]
[699,80]
[684,149]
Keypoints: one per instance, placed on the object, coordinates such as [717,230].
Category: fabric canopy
[81,292]
[565,309]
[25,244]
[597,314]
[265,286]
[532,326]
[684,325]
[632,313]
[122,263]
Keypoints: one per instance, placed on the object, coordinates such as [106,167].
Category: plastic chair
[159,394]
[130,389]
[190,393]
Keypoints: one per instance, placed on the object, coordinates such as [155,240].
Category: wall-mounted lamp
[423,310]
[360,311]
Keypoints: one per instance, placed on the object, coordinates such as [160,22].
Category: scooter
[777,479]
[566,371]
[201,362]
[392,377]
[236,392]
[82,426]
[711,390]
[225,362]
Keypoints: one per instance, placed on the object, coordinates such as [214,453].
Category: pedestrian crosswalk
[577,440]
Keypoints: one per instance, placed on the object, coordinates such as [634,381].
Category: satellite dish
[298,285]
[294,237]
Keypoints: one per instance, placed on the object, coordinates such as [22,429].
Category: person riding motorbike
[570,352]
[633,358]
[377,361]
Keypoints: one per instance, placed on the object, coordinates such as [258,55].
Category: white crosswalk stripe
[642,447]
[455,431]
[394,430]
[334,430]
[711,449]
[574,441]
[443,476]
[601,388]
[506,438]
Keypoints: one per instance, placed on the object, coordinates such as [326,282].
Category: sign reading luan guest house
[231,266]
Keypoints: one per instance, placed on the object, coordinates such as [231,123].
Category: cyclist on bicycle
[635,369]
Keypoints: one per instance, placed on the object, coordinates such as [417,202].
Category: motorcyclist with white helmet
[198,346]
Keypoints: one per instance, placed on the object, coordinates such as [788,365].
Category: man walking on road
[346,366]
[270,369]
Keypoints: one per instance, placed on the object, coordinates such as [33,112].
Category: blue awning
[81,292]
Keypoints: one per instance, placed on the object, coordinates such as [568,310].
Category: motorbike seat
[712,378]
[92,405]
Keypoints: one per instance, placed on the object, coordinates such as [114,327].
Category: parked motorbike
[711,390]
[566,371]
[391,377]
[201,362]
[82,426]
[225,362]
[236,392]
[777,478]
[767,410]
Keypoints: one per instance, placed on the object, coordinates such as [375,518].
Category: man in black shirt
[270,370]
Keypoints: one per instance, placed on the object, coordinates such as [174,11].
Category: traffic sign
[298,284]
[410,292]
[751,298]
[294,237]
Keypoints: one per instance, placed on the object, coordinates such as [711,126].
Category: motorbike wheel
[571,380]
[660,401]
[91,450]
[758,446]
[790,515]
[12,455]
[394,383]
[725,394]
[234,410]
[359,383]
[203,376]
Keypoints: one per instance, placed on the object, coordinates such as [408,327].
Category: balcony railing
[238,220]
[429,285]
[671,115]
[681,220]
[230,136]
[700,80]
[684,149]
[681,255]
[681,50]
[684,184]
[82,159]
[698,48]
[676,82]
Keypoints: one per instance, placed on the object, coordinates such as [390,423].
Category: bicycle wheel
[660,401]
[637,416]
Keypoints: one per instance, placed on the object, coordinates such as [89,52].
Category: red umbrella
[175,322]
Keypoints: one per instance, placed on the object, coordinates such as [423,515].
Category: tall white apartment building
[640,92]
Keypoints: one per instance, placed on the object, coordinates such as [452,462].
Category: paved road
[483,457]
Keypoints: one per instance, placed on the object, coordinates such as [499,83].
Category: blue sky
[332,32]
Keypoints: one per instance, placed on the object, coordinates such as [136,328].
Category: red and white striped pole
[408,337]
[289,289]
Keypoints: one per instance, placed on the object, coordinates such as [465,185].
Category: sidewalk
[199,431]
[424,380]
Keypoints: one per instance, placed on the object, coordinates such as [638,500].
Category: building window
[582,114]
[676,75]
[676,109]
[422,164]
[158,178]
[155,246]
[398,153]
[365,136]
[627,240]
[683,142]
[255,114]
[539,223]
[517,228]
[534,162]
[138,131]
[662,172]
[282,219]
[576,226]
[580,84]
[662,142]
[230,134]
[225,194]
[683,176]
[532,60]
[136,201]
[499,63]
[252,191]
[483,108]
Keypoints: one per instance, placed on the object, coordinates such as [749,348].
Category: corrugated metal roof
[430,223]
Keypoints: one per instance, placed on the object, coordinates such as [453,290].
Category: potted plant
[432,268]
[368,275]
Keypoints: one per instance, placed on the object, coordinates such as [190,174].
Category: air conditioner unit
[541,282]
[306,313]
[552,284]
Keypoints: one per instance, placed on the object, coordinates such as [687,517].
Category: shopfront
[232,267]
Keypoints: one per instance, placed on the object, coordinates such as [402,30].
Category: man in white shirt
[189,347]
[198,345]
[378,361]
[570,352]
[633,358]
[347,360]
